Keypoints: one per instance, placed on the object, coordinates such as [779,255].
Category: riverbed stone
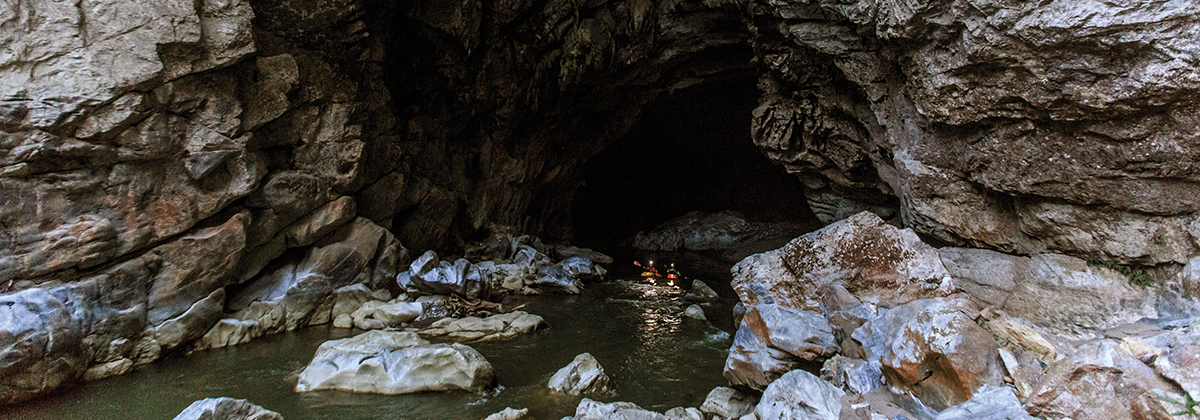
[398,313]
[225,408]
[584,375]
[702,292]
[228,332]
[727,403]
[395,363]
[800,395]
[878,263]
[509,413]
[695,312]
[589,409]
[104,370]
[495,327]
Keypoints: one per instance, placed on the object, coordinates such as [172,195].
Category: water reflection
[658,359]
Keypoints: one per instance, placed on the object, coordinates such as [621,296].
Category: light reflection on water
[657,357]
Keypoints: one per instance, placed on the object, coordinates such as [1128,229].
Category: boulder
[225,408]
[728,232]
[582,268]
[695,312]
[1101,380]
[934,349]
[772,339]
[557,280]
[460,278]
[620,410]
[727,403]
[684,413]
[878,263]
[701,291]
[584,375]
[855,376]
[395,363]
[393,314]
[564,252]
[509,413]
[989,403]
[228,332]
[800,395]
[495,327]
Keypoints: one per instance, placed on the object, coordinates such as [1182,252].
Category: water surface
[657,357]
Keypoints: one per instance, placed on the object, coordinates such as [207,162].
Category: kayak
[650,274]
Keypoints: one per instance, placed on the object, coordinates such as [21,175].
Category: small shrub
[1137,276]
[1188,405]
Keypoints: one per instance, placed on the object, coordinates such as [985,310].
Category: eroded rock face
[957,118]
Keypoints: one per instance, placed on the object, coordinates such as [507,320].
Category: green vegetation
[1189,405]
[1137,276]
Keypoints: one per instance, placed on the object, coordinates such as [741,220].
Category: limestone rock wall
[168,164]
[1024,127]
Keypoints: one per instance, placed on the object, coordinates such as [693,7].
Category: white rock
[799,395]
[395,363]
[583,376]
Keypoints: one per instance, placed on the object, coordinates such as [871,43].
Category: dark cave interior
[690,151]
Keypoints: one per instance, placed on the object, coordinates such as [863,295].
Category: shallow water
[657,357]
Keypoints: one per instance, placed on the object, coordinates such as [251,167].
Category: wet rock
[104,370]
[684,413]
[582,268]
[989,403]
[933,348]
[584,375]
[566,252]
[726,231]
[800,395]
[1086,298]
[695,312]
[620,410]
[701,291]
[429,276]
[395,363]
[225,408]
[727,403]
[878,263]
[509,413]
[495,327]
[228,332]
[398,313]
[557,280]
[772,339]
[193,323]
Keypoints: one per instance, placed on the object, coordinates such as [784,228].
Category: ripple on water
[658,359]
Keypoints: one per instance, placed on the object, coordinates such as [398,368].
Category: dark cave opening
[690,151]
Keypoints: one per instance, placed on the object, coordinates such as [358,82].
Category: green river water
[658,358]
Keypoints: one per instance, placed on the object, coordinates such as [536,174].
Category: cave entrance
[690,151]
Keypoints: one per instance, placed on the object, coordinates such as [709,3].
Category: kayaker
[648,270]
[672,273]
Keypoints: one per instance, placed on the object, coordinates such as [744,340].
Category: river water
[657,357]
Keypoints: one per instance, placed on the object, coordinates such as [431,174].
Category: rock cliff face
[161,162]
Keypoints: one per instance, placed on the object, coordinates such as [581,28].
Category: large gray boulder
[584,375]
[495,327]
[395,363]
[989,403]
[880,264]
[772,340]
[727,403]
[226,408]
[799,395]
[934,349]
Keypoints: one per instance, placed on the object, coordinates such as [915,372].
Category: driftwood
[457,307]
